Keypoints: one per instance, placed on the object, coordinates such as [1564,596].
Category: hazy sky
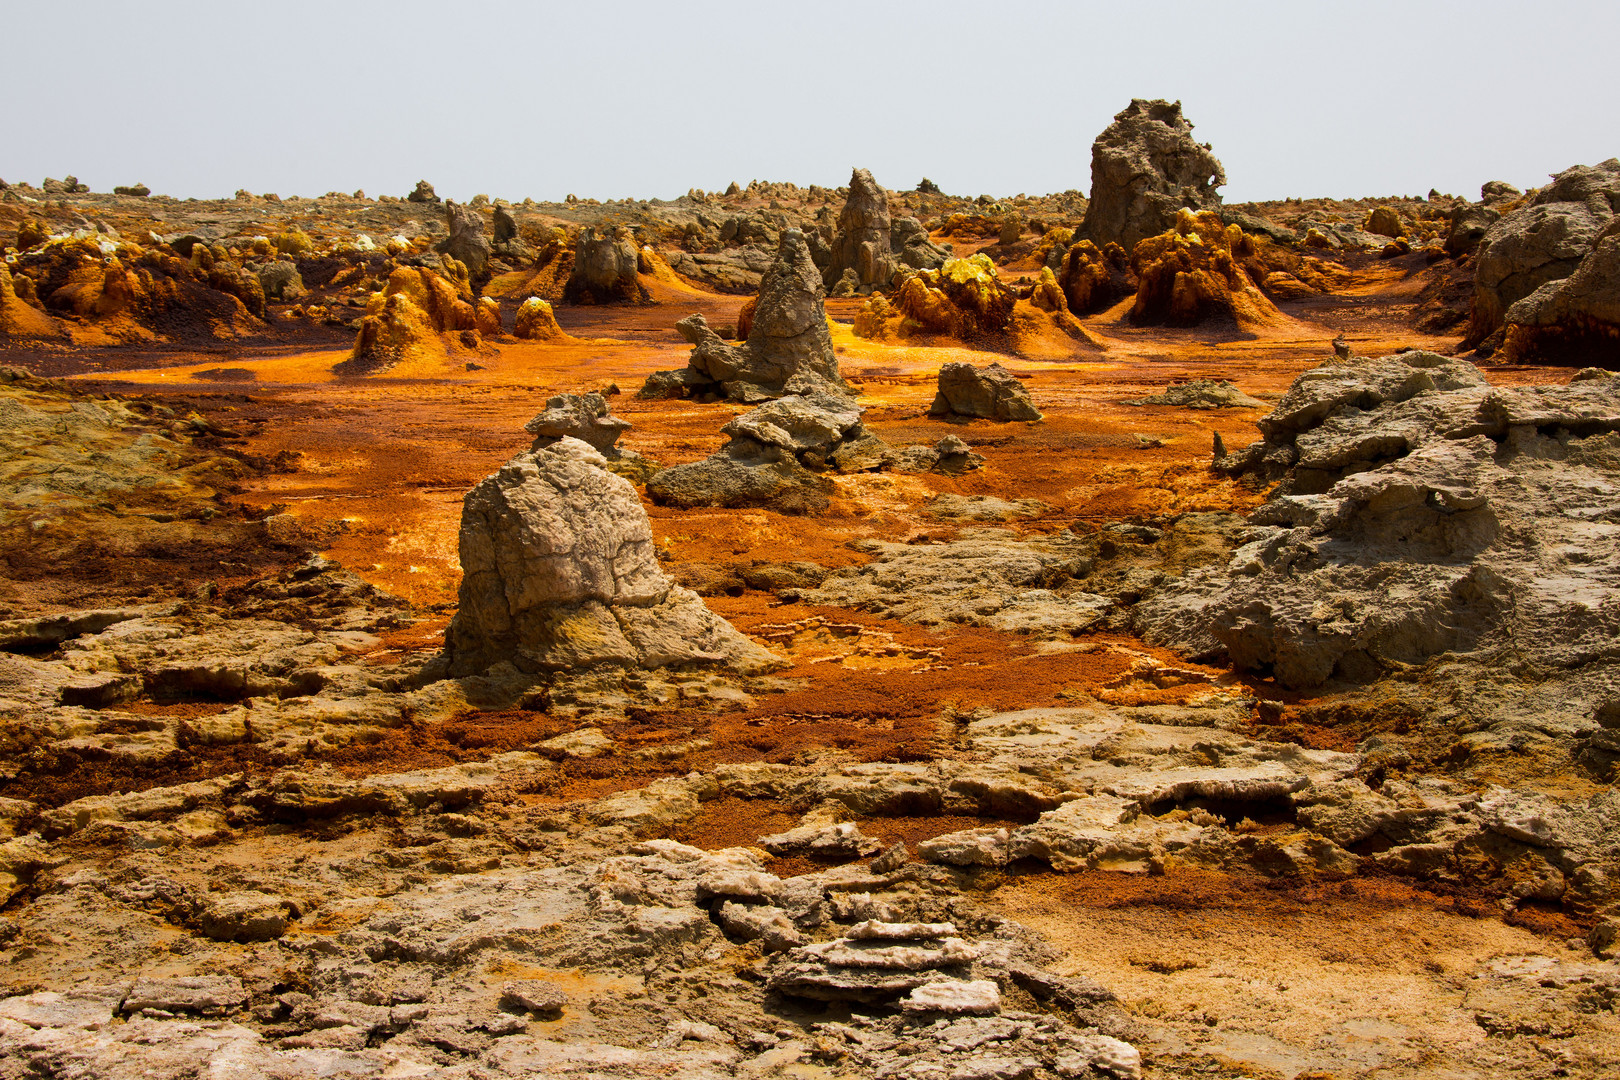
[647,99]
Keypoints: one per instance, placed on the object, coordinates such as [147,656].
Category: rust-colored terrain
[181,444]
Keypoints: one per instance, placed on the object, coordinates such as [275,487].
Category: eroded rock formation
[1576,319]
[604,270]
[559,576]
[990,393]
[1145,167]
[1421,512]
[1542,241]
[789,348]
[466,243]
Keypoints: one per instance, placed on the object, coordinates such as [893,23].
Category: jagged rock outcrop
[1195,272]
[1420,512]
[466,243]
[1145,167]
[1574,320]
[964,298]
[560,576]
[789,347]
[861,250]
[422,193]
[604,270]
[913,247]
[990,393]
[1542,241]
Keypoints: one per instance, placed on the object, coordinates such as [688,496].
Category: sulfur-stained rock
[559,575]
[413,319]
[1093,279]
[487,317]
[1145,168]
[1046,295]
[991,393]
[1384,221]
[1195,272]
[31,233]
[20,319]
[605,270]
[963,298]
[537,322]
[280,281]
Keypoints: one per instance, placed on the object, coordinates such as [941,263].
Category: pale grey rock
[1459,507]
[1145,167]
[1202,394]
[989,393]
[580,416]
[1543,241]
[466,243]
[1467,226]
[789,347]
[973,997]
[204,994]
[559,574]
[862,247]
[984,578]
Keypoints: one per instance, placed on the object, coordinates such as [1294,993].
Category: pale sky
[645,99]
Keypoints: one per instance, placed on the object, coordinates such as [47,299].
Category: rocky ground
[420,656]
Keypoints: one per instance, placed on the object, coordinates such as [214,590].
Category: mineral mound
[964,298]
[419,318]
[1195,272]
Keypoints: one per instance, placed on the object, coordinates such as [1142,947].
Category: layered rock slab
[1420,512]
